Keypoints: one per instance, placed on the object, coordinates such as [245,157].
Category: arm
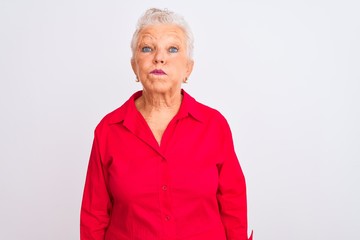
[96,204]
[231,193]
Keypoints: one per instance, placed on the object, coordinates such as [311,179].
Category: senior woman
[163,166]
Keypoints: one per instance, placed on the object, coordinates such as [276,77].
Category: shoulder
[215,122]
[109,119]
[210,118]
[208,114]
[116,116]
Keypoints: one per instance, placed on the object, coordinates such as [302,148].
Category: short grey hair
[155,16]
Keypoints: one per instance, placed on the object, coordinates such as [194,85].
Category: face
[160,59]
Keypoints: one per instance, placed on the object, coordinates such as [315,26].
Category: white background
[284,73]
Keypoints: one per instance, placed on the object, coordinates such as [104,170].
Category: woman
[162,165]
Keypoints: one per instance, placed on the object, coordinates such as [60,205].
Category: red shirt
[191,187]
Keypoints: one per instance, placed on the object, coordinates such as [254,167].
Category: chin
[160,89]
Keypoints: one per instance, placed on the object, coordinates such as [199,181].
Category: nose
[159,57]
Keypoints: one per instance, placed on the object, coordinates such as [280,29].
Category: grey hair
[155,16]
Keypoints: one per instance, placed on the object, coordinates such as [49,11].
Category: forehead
[162,31]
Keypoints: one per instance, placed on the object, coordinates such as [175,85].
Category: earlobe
[190,66]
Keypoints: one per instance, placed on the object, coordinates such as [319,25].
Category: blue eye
[173,50]
[146,49]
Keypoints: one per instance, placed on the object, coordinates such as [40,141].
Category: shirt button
[167,218]
[164,188]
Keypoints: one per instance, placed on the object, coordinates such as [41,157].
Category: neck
[150,103]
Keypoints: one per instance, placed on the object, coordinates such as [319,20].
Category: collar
[128,112]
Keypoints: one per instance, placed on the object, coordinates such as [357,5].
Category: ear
[133,65]
[189,67]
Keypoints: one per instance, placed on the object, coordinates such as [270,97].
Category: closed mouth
[157,72]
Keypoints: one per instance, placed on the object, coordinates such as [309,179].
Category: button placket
[165,198]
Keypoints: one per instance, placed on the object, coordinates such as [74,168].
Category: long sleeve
[96,204]
[189,187]
[232,192]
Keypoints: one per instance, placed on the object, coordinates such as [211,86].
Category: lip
[158,72]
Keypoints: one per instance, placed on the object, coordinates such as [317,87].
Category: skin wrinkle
[161,98]
[142,147]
